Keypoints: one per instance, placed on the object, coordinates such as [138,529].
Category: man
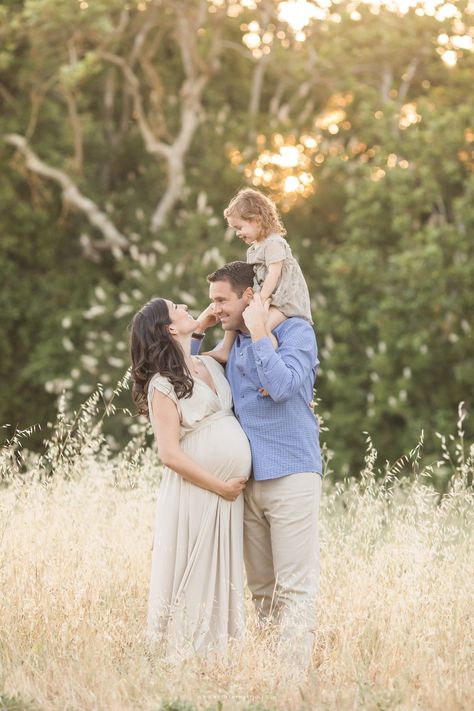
[272,390]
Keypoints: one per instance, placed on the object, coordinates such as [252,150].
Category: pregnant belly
[222,448]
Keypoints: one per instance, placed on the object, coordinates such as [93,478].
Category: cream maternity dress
[196,592]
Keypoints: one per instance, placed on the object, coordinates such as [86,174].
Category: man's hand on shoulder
[255,316]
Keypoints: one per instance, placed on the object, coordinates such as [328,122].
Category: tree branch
[256,90]
[197,72]
[140,38]
[407,79]
[275,101]
[386,83]
[152,144]
[76,128]
[157,89]
[8,96]
[37,95]
[113,239]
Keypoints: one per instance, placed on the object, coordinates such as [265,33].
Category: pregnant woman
[196,590]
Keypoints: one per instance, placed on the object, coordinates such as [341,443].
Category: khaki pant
[281,551]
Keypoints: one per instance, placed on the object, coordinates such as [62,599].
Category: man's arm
[196,345]
[282,372]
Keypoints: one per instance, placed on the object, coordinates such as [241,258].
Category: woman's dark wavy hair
[153,350]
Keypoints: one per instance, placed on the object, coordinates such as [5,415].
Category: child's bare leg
[222,353]
[274,318]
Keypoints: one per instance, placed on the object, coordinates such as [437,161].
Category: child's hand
[263,392]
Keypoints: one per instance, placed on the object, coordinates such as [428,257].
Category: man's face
[228,306]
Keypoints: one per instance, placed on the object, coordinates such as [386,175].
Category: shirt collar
[241,334]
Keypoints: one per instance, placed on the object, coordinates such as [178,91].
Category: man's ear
[247,296]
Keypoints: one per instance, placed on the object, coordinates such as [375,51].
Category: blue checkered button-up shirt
[282,429]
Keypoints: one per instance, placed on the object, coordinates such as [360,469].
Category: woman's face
[182,321]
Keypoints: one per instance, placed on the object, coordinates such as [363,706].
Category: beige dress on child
[291,295]
[196,592]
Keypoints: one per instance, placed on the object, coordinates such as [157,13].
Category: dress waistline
[207,421]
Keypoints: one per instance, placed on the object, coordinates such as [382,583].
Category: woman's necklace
[199,370]
[195,366]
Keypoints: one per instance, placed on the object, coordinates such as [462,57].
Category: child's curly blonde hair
[251,205]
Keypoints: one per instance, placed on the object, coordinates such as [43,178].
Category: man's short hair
[239,275]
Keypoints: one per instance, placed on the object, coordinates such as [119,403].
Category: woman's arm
[271,280]
[165,421]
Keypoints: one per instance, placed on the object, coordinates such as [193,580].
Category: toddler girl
[277,273]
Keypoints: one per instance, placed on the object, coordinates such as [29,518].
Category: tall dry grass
[395,627]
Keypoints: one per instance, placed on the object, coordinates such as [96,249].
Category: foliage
[76,532]
[157,112]
[177,706]
[14,703]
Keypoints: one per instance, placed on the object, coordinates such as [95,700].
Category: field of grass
[396,615]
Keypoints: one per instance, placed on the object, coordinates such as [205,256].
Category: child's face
[247,230]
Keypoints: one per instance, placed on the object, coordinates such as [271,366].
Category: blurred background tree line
[126,127]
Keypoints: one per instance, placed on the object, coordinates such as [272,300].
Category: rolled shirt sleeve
[283,372]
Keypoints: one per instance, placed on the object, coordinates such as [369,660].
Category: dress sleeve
[250,255]
[163,385]
[275,250]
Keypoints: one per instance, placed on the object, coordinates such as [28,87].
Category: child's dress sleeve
[291,295]
[275,250]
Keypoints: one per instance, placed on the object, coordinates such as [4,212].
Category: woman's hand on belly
[232,489]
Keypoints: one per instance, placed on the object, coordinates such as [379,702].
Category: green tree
[126,129]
